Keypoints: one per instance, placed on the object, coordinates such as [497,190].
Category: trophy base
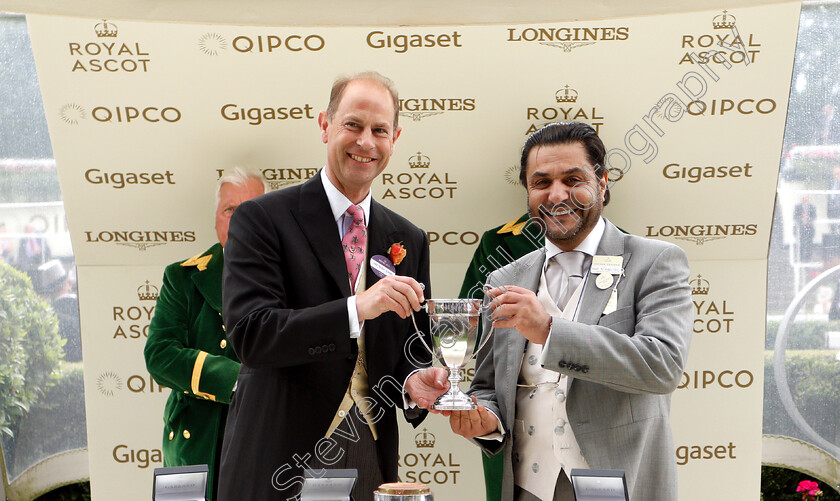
[454,402]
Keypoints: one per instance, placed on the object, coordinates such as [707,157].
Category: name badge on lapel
[604,267]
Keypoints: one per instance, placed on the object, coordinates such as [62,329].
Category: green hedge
[20,184]
[803,335]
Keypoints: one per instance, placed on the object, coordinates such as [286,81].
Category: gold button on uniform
[171,435]
[223,328]
[223,344]
[186,434]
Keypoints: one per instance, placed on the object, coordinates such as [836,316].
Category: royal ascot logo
[419,161]
[711,315]
[132,322]
[695,174]
[564,108]
[73,114]
[259,115]
[420,108]
[147,292]
[105,54]
[282,178]
[212,44]
[702,233]
[567,38]
[699,286]
[427,466]
[419,183]
[723,45]
[424,440]
[108,383]
[139,239]
[141,458]
[402,43]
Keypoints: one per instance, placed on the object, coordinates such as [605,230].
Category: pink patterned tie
[354,242]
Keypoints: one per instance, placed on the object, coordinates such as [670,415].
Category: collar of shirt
[339,204]
[589,246]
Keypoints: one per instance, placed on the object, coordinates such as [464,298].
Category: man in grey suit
[591,337]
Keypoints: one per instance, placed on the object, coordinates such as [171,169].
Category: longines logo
[73,114]
[711,315]
[257,116]
[564,108]
[106,54]
[419,183]
[212,44]
[119,180]
[109,383]
[702,233]
[695,174]
[282,178]
[139,239]
[428,467]
[140,458]
[567,38]
[724,45]
[401,42]
[420,108]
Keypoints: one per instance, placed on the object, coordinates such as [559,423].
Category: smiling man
[324,341]
[592,335]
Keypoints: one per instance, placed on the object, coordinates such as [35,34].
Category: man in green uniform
[498,247]
[187,350]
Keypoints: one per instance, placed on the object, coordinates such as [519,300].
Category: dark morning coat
[187,351]
[285,290]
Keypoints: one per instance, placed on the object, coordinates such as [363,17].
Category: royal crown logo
[105,29]
[566,95]
[419,161]
[723,21]
[147,292]
[699,286]
[424,439]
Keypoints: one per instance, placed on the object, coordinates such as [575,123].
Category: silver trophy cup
[455,337]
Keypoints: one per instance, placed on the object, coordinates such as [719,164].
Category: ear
[323,123]
[396,136]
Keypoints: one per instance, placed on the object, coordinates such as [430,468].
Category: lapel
[208,281]
[381,233]
[314,217]
[594,299]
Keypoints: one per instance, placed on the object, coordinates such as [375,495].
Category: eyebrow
[573,170]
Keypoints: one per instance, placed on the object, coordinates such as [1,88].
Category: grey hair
[239,176]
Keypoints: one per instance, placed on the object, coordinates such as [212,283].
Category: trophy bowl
[454,325]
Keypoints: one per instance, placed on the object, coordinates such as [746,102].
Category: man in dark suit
[591,338]
[324,338]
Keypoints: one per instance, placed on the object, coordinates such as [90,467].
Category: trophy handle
[484,341]
[425,344]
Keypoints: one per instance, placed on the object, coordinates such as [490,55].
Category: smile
[360,159]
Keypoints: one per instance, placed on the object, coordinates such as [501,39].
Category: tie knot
[572,262]
[356,214]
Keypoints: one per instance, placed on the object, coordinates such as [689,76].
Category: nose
[558,193]
[365,139]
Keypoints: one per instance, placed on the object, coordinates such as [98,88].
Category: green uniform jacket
[187,351]
[497,247]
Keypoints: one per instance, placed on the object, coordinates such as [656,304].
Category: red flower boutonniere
[397,252]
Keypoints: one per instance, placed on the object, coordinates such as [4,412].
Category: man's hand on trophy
[396,293]
[471,424]
[520,309]
[426,385]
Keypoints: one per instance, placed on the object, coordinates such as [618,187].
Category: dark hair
[567,133]
[340,84]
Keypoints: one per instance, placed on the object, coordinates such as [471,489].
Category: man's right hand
[396,293]
[471,424]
